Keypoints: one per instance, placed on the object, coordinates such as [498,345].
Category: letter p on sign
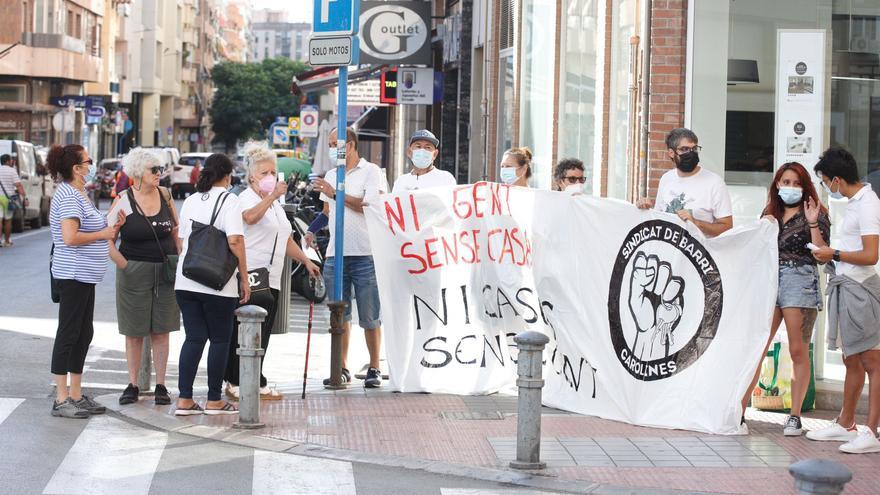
[325,10]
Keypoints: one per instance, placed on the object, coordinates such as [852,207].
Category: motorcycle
[302,205]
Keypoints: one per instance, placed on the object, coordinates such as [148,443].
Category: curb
[250,438]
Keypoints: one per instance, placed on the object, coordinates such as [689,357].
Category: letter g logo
[392,32]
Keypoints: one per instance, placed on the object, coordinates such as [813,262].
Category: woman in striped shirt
[79,235]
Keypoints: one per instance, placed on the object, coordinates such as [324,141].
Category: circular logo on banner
[799,128]
[392,32]
[800,68]
[664,302]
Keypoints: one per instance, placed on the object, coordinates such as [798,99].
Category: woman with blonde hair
[145,263]
[516,167]
[267,239]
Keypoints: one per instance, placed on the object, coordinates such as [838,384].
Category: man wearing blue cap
[422,152]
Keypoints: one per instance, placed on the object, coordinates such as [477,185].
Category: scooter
[300,209]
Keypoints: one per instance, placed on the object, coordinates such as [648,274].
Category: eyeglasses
[87,162]
[157,170]
[687,149]
[575,180]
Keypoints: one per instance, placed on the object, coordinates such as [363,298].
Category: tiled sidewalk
[480,432]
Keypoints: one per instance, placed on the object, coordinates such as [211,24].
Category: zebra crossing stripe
[109,457]
[279,473]
[8,405]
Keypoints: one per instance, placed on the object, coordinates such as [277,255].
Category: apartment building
[273,36]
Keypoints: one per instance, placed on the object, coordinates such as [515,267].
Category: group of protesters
[146,237]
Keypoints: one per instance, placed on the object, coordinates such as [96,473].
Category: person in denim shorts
[363,183]
[794,204]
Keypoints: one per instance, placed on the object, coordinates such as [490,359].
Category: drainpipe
[646,92]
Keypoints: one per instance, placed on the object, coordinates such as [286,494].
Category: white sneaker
[865,443]
[833,433]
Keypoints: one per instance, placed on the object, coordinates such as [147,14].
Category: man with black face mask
[690,191]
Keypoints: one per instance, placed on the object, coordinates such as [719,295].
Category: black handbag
[258,280]
[208,260]
[54,290]
[169,261]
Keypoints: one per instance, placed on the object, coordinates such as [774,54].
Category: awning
[327,77]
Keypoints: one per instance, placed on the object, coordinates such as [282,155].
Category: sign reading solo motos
[649,322]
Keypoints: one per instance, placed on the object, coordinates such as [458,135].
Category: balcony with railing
[184,109]
[56,56]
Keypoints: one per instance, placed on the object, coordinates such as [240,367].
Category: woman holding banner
[794,204]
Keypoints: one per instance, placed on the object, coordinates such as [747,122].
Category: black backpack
[208,259]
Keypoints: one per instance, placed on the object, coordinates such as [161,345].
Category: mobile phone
[280,176]
[812,247]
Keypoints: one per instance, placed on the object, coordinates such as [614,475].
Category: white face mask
[508,175]
[422,159]
[334,154]
[574,188]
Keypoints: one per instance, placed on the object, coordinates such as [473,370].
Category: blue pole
[340,180]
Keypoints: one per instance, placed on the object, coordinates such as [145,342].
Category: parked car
[168,157]
[185,175]
[26,165]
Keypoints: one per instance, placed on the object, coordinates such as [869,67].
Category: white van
[26,166]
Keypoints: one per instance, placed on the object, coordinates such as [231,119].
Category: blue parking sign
[335,18]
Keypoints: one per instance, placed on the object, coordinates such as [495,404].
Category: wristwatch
[836,256]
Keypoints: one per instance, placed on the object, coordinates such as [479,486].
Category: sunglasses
[87,162]
[575,180]
[157,170]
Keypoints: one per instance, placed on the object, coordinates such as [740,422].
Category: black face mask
[687,162]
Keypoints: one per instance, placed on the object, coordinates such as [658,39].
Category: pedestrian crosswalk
[107,455]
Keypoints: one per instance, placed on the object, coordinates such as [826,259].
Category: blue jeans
[798,287]
[205,318]
[357,272]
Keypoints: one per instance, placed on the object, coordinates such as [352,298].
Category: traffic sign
[335,17]
[280,135]
[293,126]
[308,121]
[333,51]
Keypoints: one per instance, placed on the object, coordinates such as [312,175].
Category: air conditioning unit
[860,44]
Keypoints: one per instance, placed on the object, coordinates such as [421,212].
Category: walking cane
[308,345]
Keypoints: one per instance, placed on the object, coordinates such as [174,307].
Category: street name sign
[335,18]
[335,51]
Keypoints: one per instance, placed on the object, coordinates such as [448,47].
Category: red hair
[775,206]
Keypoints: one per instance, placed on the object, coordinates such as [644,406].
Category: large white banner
[649,322]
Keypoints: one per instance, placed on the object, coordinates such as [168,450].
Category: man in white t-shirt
[690,191]
[853,299]
[363,183]
[11,186]
[422,151]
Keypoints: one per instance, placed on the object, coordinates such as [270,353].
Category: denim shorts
[799,287]
[357,272]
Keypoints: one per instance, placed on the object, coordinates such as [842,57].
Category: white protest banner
[649,322]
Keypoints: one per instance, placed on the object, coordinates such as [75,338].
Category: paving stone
[645,463]
[596,463]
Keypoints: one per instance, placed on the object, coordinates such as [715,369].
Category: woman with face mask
[422,152]
[516,167]
[794,204]
[267,240]
[79,240]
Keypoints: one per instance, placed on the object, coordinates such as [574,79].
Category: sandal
[267,393]
[227,408]
[192,410]
[232,391]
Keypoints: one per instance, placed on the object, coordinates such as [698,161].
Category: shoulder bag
[258,280]
[169,261]
[54,290]
[208,260]
[13,200]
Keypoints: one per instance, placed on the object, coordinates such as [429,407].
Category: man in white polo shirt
[422,151]
[363,183]
[853,299]
[693,193]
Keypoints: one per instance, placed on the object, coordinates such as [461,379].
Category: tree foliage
[249,96]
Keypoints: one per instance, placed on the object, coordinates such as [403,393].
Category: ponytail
[61,159]
[215,169]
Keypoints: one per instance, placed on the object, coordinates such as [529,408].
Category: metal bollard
[145,373]
[250,319]
[337,329]
[819,476]
[528,422]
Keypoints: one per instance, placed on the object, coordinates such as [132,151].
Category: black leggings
[265,332]
[75,330]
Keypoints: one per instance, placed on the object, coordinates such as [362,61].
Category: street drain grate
[471,415]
